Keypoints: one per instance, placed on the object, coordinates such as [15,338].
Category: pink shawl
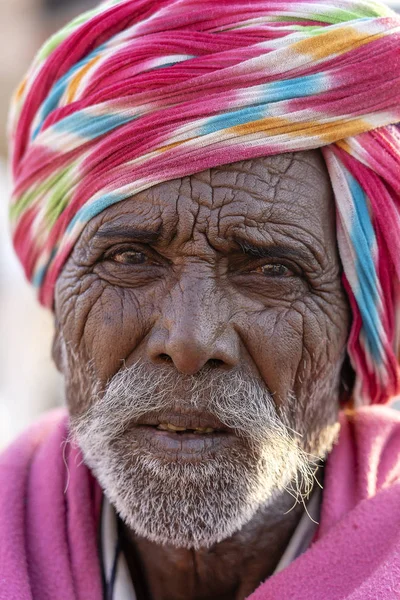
[49,510]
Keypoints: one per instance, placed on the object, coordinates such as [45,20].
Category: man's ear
[57,347]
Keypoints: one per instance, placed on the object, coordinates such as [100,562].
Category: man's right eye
[128,257]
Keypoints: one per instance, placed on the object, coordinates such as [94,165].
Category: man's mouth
[184,436]
[177,429]
[181,422]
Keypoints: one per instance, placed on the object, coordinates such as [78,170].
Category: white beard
[190,504]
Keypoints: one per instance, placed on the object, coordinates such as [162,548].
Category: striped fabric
[137,92]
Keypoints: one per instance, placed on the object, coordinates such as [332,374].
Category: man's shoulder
[376,413]
[374,428]
[49,512]
[20,452]
[366,458]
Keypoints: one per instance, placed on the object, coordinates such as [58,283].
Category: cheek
[294,347]
[115,327]
[101,323]
[274,340]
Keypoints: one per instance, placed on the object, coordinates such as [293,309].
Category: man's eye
[129,257]
[274,270]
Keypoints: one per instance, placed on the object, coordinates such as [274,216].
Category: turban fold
[138,92]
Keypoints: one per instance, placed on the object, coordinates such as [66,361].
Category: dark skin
[235,267]
[231,569]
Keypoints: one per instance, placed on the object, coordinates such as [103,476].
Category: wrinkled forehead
[284,195]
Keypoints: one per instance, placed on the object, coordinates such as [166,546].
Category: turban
[138,92]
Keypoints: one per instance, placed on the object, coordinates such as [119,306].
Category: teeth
[204,430]
[170,427]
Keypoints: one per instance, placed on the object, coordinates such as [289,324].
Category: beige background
[29,383]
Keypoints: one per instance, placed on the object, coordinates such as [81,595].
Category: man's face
[201,328]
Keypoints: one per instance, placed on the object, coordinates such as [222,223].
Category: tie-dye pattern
[137,92]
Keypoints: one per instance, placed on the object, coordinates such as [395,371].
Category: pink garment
[357,553]
[49,508]
[48,536]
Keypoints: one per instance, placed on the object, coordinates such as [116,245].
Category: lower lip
[189,446]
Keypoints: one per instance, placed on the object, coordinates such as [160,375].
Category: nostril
[165,358]
[215,362]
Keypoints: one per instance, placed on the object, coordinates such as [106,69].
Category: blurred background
[29,382]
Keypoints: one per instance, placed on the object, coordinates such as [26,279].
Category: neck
[229,570]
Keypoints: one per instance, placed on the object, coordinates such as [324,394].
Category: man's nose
[194,330]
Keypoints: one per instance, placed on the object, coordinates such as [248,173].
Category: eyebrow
[269,251]
[249,248]
[138,235]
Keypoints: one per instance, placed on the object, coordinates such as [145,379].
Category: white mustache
[238,401]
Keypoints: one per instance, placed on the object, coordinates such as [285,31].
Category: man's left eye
[274,270]
[129,257]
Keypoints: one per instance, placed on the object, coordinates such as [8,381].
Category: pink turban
[138,92]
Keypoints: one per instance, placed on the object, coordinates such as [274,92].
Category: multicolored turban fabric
[138,92]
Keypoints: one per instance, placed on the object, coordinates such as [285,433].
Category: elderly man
[207,196]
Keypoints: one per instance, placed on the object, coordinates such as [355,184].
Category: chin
[191,504]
